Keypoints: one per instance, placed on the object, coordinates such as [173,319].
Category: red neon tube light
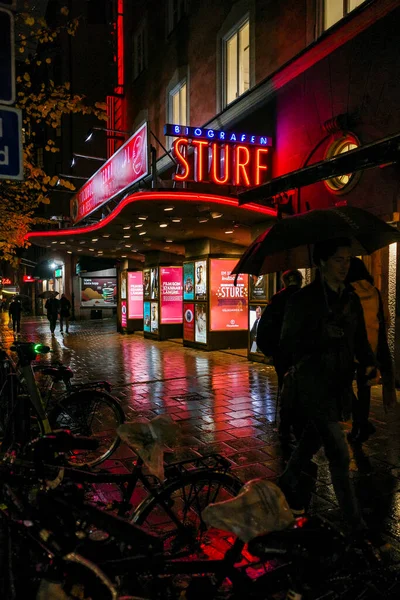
[156,197]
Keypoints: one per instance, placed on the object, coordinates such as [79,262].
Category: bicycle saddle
[259,508]
[58,373]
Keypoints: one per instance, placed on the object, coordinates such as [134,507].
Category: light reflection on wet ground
[225,404]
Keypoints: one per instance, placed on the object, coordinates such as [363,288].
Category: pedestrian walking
[362,283]
[14,312]
[323,330]
[52,307]
[268,339]
[65,313]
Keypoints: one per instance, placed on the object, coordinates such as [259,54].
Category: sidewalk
[224,404]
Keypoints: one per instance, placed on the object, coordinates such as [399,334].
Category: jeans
[16,324]
[328,434]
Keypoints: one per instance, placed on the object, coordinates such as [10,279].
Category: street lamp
[93,129]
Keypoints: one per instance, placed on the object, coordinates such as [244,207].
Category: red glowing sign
[27,278]
[228,303]
[171,284]
[5,281]
[135,295]
[124,321]
[223,164]
[188,322]
[125,167]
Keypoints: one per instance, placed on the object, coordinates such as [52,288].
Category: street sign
[9,3]
[7,58]
[10,143]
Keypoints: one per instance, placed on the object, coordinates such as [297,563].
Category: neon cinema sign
[221,158]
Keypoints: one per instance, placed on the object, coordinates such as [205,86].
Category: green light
[37,348]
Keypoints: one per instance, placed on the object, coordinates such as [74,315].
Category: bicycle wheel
[186,498]
[90,413]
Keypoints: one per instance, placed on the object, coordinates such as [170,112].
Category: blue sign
[10,143]
[217,135]
[7,58]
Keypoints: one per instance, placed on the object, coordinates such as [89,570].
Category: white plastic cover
[150,439]
[259,508]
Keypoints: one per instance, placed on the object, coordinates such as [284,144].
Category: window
[178,104]
[176,9]
[139,51]
[334,10]
[342,183]
[236,56]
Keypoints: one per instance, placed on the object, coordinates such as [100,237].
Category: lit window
[175,11]
[236,62]
[139,50]
[334,10]
[178,104]
[342,183]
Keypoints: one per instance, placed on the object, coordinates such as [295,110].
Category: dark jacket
[322,334]
[15,309]
[270,325]
[52,307]
[65,307]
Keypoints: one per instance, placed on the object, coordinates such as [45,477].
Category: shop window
[342,183]
[176,9]
[236,62]
[139,50]
[334,10]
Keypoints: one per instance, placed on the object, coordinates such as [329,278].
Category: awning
[162,220]
[371,155]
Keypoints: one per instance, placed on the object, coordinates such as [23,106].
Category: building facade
[319,77]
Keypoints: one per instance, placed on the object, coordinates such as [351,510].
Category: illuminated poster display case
[261,289]
[130,301]
[215,310]
[163,293]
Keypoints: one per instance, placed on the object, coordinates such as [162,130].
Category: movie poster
[135,295]
[122,285]
[154,283]
[258,288]
[228,302]
[254,319]
[154,318]
[124,321]
[171,295]
[146,316]
[146,283]
[188,281]
[200,267]
[188,322]
[201,323]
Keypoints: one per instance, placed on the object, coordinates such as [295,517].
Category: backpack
[269,330]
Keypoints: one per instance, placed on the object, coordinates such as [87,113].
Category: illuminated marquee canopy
[207,155]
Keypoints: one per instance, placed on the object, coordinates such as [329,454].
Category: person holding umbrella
[52,307]
[323,330]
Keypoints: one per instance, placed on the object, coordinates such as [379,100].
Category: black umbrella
[288,243]
[47,294]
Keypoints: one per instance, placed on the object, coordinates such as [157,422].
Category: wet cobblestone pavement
[224,404]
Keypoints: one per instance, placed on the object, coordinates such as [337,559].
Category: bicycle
[86,409]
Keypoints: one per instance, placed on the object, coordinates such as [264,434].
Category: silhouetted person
[65,313]
[52,307]
[15,311]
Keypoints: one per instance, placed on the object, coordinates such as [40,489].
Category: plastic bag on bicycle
[259,508]
[150,439]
